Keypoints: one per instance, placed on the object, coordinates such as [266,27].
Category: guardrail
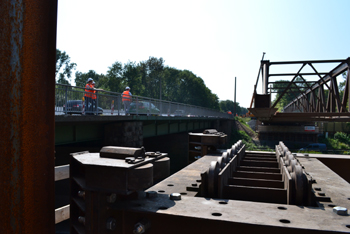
[70,100]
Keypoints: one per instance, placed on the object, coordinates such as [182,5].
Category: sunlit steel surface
[27,70]
[189,201]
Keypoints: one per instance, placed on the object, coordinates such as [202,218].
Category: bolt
[151,194]
[81,219]
[175,196]
[340,210]
[81,194]
[111,224]
[142,226]
[139,228]
[112,198]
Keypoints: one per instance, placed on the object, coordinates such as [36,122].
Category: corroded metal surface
[27,70]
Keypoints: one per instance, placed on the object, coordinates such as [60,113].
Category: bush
[242,135]
[342,137]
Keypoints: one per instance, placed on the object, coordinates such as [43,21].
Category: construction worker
[126,99]
[88,96]
[94,97]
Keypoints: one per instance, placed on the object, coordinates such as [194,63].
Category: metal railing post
[118,101]
[66,100]
[137,106]
[96,108]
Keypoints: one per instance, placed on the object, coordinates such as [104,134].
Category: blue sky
[216,40]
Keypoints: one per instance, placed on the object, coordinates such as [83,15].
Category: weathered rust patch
[27,70]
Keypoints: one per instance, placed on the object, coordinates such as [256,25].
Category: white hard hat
[127,87]
[90,79]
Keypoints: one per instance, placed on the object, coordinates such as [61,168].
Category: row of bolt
[111,222]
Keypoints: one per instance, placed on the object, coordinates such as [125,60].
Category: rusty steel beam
[308,61]
[27,70]
[293,74]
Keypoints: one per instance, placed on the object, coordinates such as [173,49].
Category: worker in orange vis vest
[94,97]
[88,96]
[126,99]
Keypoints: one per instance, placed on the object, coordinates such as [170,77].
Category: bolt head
[175,196]
[340,210]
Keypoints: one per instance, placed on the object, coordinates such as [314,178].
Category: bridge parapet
[72,100]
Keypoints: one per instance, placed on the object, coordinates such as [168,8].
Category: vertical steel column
[27,72]
[265,76]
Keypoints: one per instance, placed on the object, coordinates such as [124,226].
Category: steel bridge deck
[193,213]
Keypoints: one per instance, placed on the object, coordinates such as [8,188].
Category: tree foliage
[81,78]
[64,67]
[293,92]
[229,105]
[150,78]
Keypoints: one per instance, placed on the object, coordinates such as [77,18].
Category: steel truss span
[321,98]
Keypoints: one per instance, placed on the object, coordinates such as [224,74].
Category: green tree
[293,92]
[81,78]
[114,78]
[229,105]
[64,67]
[132,77]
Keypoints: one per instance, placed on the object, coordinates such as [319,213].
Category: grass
[247,140]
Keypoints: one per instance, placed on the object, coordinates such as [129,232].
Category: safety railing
[72,100]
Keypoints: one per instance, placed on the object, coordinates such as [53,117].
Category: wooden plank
[62,214]
[61,172]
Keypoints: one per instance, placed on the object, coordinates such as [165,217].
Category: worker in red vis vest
[88,96]
[126,99]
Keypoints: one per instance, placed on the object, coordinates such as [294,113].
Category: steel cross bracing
[319,97]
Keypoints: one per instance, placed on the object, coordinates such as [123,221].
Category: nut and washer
[111,224]
[112,198]
[151,194]
[175,196]
[340,210]
[139,229]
